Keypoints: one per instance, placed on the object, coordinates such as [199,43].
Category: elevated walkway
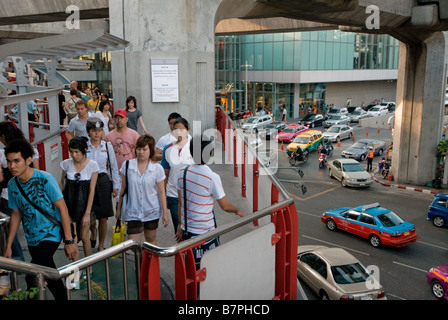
[165,238]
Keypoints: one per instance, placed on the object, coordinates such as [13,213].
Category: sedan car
[378,110]
[271,130]
[340,119]
[358,114]
[360,149]
[380,225]
[290,132]
[338,131]
[335,274]
[350,173]
[307,141]
[312,120]
[438,210]
[256,123]
[437,277]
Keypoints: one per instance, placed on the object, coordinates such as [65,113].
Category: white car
[256,123]
[350,173]
[378,110]
[338,131]
[337,119]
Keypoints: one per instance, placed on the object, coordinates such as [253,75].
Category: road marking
[392,295]
[310,214]
[410,267]
[316,195]
[333,244]
[432,245]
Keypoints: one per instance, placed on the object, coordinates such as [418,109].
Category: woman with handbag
[143,184]
[78,181]
[107,186]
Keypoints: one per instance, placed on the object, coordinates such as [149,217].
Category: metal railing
[40,272]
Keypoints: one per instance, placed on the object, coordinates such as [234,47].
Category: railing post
[235,157]
[256,174]
[185,274]
[243,171]
[150,277]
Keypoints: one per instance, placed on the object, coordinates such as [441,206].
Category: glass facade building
[328,50]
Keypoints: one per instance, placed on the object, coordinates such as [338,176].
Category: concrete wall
[172,30]
[337,93]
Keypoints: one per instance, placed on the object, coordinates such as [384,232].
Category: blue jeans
[16,248]
[172,204]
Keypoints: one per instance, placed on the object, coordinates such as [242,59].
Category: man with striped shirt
[202,188]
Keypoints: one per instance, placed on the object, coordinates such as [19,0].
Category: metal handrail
[173,250]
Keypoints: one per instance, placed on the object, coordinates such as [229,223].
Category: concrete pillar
[418,116]
[169,29]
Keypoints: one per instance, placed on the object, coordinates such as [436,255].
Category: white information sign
[165,80]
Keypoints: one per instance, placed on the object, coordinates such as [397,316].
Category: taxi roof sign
[369,206]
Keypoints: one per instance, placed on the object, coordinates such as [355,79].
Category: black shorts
[136,227]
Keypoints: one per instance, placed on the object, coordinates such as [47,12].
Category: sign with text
[165,80]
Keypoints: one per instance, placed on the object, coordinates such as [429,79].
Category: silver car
[358,114]
[360,149]
[338,131]
[339,119]
[335,274]
[256,123]
[350,173]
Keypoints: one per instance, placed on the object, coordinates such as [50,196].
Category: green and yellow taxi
[309,141]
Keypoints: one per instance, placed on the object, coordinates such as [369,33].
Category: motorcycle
[296,157]
[385,171]
[322,160]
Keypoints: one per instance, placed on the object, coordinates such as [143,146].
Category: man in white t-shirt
[168,138]
[202,188]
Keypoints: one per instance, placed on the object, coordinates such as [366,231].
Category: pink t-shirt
[123,144]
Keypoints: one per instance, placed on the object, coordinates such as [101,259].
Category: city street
[402,270]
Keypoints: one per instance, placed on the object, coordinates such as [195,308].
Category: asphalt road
[402,270]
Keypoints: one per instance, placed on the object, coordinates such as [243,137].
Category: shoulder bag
[46,215]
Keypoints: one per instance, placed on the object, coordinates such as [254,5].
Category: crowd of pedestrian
[112,171]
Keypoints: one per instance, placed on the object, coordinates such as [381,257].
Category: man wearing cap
[123,139]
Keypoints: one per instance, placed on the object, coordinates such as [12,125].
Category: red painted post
[243,171]
[235,158]
[41,150]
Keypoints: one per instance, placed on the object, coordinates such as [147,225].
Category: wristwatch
[69,241]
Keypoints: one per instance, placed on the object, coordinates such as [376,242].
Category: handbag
[117,235]
[125,194]
[46,215]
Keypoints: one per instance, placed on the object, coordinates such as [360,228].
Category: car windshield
[270,126]
[252,120]
[309,117]
[390,219]
[300,139]
[375,109]
[359,145]
[350,273]
[352,167]
[334,111]
[357,112]
[334,129]
[288,129]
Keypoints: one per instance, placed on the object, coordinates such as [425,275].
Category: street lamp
[246,66]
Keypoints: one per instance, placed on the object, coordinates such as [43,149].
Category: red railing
[283,215]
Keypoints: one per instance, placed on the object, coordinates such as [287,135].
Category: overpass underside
[184,31]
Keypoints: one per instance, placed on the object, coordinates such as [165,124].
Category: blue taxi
[438,210]
[380,225]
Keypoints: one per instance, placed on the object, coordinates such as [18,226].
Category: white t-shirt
[143,199]
[166,140]
[86,173]
[175,159]
[104,119]
[203,188]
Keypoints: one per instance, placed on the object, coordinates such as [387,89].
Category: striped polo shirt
[203,187]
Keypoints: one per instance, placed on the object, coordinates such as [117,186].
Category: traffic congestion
[393,239]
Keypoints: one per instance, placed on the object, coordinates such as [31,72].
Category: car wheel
[331,225]
[375,241]
[323,295]
[312,125]
[350,136]
[330,173]
[438,221]
[292,161]
[437,289]
[363,156]
[380,152]
[343,182]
